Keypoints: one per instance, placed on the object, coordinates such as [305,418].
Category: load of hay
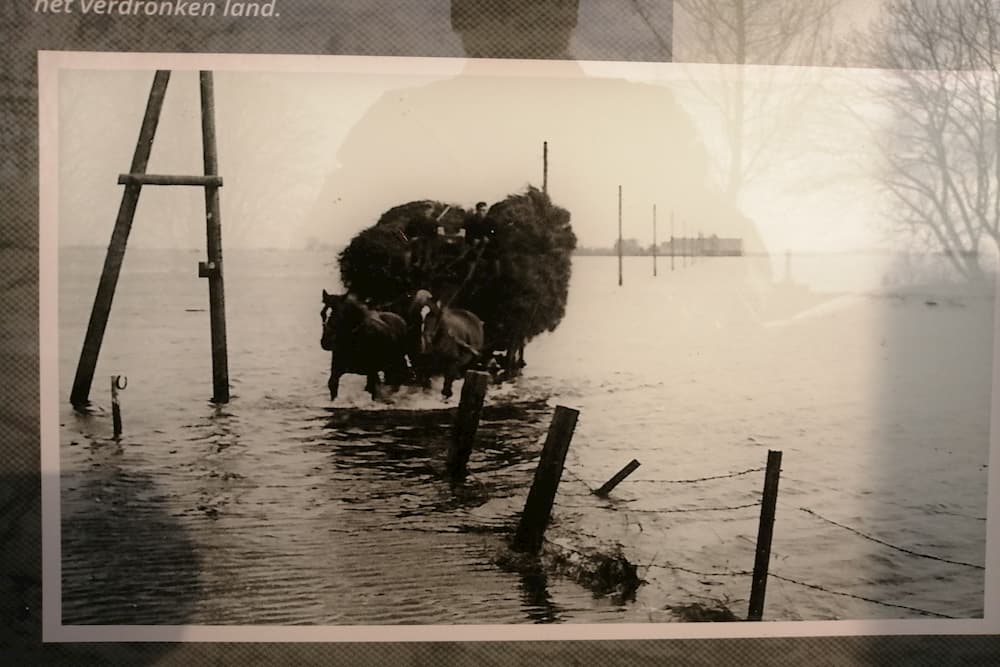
[510,267]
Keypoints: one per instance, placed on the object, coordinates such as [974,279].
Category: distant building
[704,246]
[713,246]
[701,246]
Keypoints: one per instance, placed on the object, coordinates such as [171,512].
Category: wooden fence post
[467,422]
[538,506]
[213,268]
[617,479]
[764,533]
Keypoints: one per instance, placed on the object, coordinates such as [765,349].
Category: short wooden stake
[538,507]
[467,422]
[118,382]
[617,479]
[764,533]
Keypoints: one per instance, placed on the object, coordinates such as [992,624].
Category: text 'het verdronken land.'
[240,8]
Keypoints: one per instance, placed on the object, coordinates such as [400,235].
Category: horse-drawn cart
[508,264]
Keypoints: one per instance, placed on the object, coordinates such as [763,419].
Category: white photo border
[49,65]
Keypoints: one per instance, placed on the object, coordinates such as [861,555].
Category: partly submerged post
[538,506]
[213,268]
[609,485]
[467,422]
[764,534]
[80,395]
[619,236]
[118,382]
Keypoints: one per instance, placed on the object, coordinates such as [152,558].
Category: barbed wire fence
[534,518]
[717,573]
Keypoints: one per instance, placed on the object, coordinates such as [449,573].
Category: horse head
[329,315]
[341,313]
[429,311]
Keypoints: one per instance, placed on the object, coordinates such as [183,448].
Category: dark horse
[363,342]
[448,340]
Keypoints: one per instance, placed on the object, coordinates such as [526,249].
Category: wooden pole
[684,243]
[117,382]
[545,167]
[80,395]
[764,534]
[619,236]
[672,240]
[213,269]
[538,507]
[617,479]
[654,240]
[467,422]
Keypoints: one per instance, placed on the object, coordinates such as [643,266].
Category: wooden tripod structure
[212,269]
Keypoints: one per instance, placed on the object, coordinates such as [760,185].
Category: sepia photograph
[628,349]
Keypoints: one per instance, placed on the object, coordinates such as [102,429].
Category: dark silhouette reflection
[539,606]
[515,28]
[563,29]
[479,136]
[125,559]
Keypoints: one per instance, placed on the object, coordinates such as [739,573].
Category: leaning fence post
[764,533]
[118,382]
[467,422]
[617,479]
[115,257]
[538,506]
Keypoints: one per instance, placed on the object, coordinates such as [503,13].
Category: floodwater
[284,508]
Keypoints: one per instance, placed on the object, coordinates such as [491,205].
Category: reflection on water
[122,517]
[282,508]
[537,600]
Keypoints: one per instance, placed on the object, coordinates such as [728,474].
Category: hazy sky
[322,154]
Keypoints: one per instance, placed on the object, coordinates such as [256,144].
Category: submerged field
[282,508]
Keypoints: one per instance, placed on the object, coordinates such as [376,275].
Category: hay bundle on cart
[509,264]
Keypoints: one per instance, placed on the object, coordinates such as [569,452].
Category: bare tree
[754,32]
[942,150]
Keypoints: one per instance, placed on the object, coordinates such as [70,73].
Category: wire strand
[858,597]
[671,511]
[696,479]
[892,546]
[740,573]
